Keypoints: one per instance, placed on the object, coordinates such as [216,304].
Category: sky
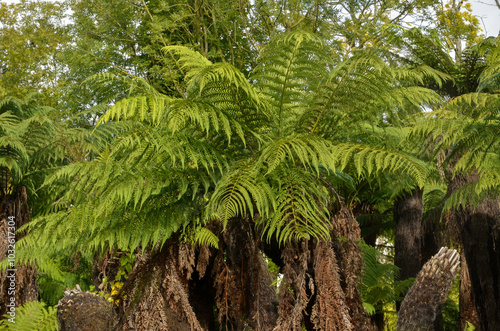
[489,14]
[485,10]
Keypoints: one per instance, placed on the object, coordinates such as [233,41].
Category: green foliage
[220,110]
[34,39]
[451,309]
[26,130]
[230,148]
[380,285]
[31,316]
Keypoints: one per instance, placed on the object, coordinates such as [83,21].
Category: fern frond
[301,208]
[32,316]
[289,69]
[190,61]
[309,150]
[368,159]
[239,191]
[205,237]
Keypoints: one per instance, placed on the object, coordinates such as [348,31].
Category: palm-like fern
[467,128]
[245,147]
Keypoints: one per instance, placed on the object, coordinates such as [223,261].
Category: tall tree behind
[34,39]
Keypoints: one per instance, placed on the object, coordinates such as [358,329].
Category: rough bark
[432,240]
[480,236]
[421,304]
[25,285]
[157,291]
[319,289]
[178,286]
[407,243]
[347,236]
[481,241]
[244,295]
[466,301]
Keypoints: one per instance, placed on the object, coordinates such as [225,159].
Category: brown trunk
[479,232]
[244,295]
[178,287]
[157,291]
[319,290]
[481,241]
[407,243]
[432,240]
[22,286]
[467,309]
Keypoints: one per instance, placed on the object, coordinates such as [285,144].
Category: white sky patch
[489,15]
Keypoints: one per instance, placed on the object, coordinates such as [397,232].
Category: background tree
[33,39]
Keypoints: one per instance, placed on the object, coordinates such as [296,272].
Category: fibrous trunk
[245,296]
[468,312]
[407,243]
[421,304]
[319,290]
[479,228]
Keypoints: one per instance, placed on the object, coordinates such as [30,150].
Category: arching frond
[289,71]
[308,150]
[368,159]
[301,208]
[242,188]
[190,61]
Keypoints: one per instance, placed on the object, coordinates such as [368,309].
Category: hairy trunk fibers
[157,291]
[179,287]
[467,309]
[480,235]
[244,295]
[319,289]
[421,304]
[25,287]
[407,243]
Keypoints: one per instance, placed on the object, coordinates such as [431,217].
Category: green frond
[380,285]
[142,108]
[365,88]
[369,159]
[205,237]
[468,196]
[32,316]
[290,68]
[241,188]
[490,77]
[301,208]
[310,151]
[190,61]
